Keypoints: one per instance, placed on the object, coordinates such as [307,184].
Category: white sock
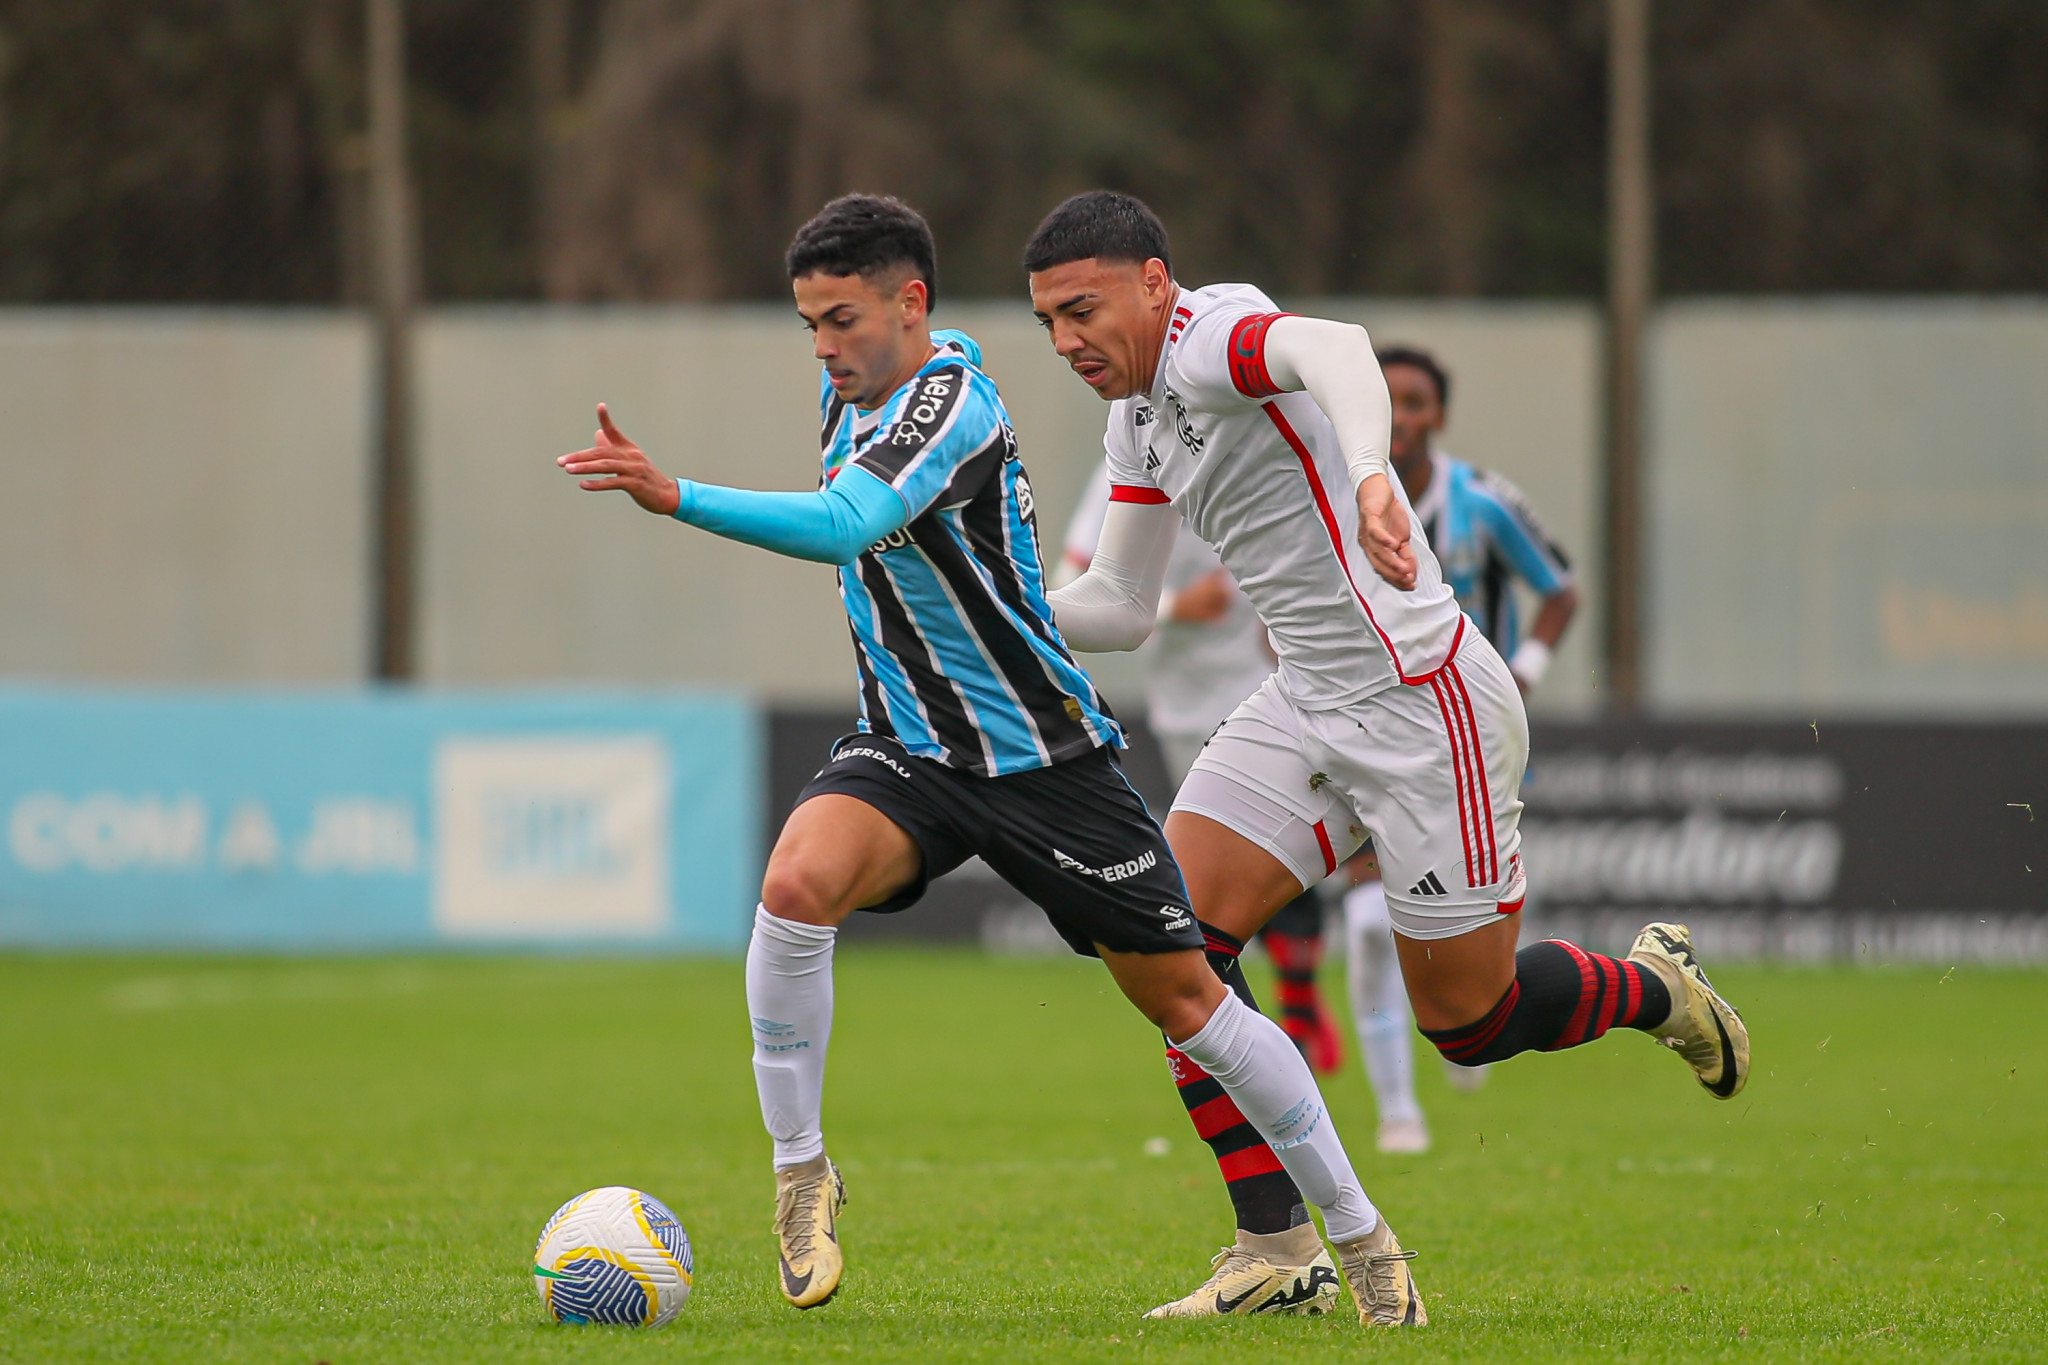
[1379,1003]
[789,996]
[1258,1067]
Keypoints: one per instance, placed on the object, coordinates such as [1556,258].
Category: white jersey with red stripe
[1259,475]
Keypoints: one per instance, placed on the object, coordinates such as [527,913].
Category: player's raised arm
[1334,361]
[830,527]
[1114,605]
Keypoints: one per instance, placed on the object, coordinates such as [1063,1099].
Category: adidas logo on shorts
[1428,886]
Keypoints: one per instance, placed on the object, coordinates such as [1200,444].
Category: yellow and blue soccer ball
[613,1255]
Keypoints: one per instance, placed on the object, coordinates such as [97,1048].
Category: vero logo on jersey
[924,409]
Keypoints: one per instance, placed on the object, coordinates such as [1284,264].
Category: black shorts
[1073,838]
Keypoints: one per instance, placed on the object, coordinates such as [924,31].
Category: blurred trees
[664,149]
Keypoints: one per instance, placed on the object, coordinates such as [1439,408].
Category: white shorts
[1432,771]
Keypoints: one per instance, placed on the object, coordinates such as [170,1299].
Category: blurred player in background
[979,736]
[1388,713]
[1486,539]
[1208,654]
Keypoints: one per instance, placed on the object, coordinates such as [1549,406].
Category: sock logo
[767,1029]
[1301,1120]
[1428,886]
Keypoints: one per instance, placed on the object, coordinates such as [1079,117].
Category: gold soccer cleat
[1376,1272]
[1703,1028]
[1249,1277]
[807,1203]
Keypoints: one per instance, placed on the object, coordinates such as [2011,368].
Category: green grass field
[348,1161]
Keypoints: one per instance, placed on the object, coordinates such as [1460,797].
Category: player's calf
[1562,996]
[1262,1195]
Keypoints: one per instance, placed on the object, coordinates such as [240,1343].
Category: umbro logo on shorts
[1428,886]
[1176,918]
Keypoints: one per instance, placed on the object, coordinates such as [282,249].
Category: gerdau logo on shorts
[1115,872]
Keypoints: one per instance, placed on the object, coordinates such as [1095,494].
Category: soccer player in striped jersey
[1389,716]
[978,734]
[1486,537]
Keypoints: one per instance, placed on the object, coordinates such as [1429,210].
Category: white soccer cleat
[1703,1028]
[1404,1137]
[1376,1272]
[807,1203]
[1243,1280]
[1466,1078]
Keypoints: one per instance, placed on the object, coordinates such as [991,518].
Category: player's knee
[794,890]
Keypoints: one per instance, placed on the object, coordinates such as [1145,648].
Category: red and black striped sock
[1261,1192]
[1295,959]
[1562,996]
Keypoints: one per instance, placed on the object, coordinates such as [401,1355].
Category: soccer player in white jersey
[1388,715]
[1486,538]
[978,735]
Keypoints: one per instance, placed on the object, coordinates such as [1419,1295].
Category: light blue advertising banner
[378,819]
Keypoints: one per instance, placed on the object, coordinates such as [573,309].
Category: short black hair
[865,235]
[1422,360]
[1098,225]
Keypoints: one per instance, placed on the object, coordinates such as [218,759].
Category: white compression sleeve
[1115,604]
[1379,1003]
[789,996]
[1334,361]
[1258,1067]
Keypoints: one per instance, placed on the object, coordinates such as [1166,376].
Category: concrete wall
[1849,501]
[184,495]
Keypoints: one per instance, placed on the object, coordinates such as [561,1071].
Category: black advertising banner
[1808,840]
[1858,817]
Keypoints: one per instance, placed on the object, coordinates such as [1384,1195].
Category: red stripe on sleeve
[1248,355]
[1136,492]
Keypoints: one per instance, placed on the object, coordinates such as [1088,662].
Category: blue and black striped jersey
[958,655]
[1485,536]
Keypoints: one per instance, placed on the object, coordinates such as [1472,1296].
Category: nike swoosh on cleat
[1224,1305]
[1724,1087]
[793,1286]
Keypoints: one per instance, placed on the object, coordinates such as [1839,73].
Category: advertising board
[369,820]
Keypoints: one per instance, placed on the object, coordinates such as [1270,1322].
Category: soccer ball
[613,1255]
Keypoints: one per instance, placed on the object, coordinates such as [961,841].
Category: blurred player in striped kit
[1486,539]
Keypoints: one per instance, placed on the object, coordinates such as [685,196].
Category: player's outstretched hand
[1383,532]
[615,462]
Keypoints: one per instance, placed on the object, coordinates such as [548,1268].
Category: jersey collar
[1432,501]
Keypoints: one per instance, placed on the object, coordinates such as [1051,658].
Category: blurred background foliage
[211,150]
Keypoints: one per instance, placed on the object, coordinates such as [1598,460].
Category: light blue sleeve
[831,527]
[1521,539]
